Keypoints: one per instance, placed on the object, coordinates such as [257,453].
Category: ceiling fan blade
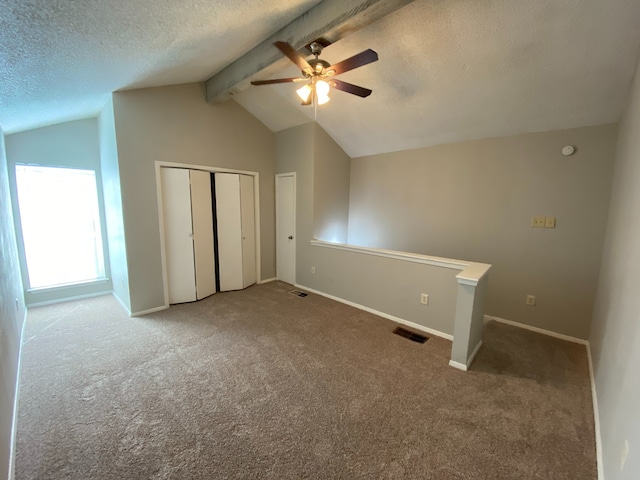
[294,56]
[351,88]
[278,80]
[358,60]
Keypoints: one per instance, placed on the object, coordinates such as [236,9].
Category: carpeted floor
[262,384]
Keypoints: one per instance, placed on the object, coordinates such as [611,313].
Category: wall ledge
[470,272]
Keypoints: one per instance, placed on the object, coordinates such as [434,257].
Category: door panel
[248,231]
[205,273]
[176,203]
[229,231]
[286,227]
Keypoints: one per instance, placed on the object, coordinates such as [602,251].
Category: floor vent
[298,293]
[414,337]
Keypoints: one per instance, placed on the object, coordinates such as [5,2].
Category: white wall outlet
[538,221]
[424,299]
[550,222]
[531,300]
[623,454]
[313,270]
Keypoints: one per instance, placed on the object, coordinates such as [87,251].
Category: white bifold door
[236,230]
[188,233]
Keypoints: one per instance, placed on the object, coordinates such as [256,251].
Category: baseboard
[474,353]
[68,299]
[596,416]
[267,280]
[561,336]
[14,420]
[458,365]
[147,312]
[119,300]
[393,318]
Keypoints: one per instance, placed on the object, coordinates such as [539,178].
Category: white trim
[470,272]
[596,416]
[69,299]
[268,280]
[204,168]
[66,286]
[163,253]
[163,257]
[393,318]
[119,300]
[295,219]
[561,336]
[474,353]
[151,310]
[16,398]
[458,365]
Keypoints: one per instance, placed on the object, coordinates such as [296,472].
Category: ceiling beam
[330,19]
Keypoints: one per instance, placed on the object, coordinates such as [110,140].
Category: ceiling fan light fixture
[322,99]
[304,92]
[322,92]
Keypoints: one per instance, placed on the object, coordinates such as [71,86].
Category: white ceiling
[448,71]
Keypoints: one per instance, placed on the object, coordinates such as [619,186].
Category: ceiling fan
[318,74]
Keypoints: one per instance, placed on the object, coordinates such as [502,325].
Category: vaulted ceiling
[448,70]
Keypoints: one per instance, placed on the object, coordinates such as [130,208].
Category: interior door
[286,227]
[247,207]
[202,218]
[178,234]
[229,220]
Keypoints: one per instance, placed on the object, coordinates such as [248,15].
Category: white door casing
[286,227]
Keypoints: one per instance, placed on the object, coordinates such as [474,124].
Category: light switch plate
[538,221]
[550,222]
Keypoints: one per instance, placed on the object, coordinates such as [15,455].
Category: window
[60,225]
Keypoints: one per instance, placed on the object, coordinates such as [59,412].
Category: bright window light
[60,225]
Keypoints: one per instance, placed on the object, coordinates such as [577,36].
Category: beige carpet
[262,384]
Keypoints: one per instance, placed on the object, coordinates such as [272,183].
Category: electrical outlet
[313,270]
[424,299]
[538,221]
[550,222]
[531,300]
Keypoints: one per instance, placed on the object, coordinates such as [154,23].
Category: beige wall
[475,200]
[11,317]
[113,205]
[615,335]
[332,168]
[175,124]
[389,286]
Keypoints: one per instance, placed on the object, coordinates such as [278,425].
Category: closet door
[178,234]
[248,218]
[202,220]
[229,227]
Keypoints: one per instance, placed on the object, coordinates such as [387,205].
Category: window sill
[66,286]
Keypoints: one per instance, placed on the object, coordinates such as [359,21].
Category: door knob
[290,237]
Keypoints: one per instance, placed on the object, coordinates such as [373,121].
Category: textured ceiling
[61,59]
[448,71]
[466,69]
